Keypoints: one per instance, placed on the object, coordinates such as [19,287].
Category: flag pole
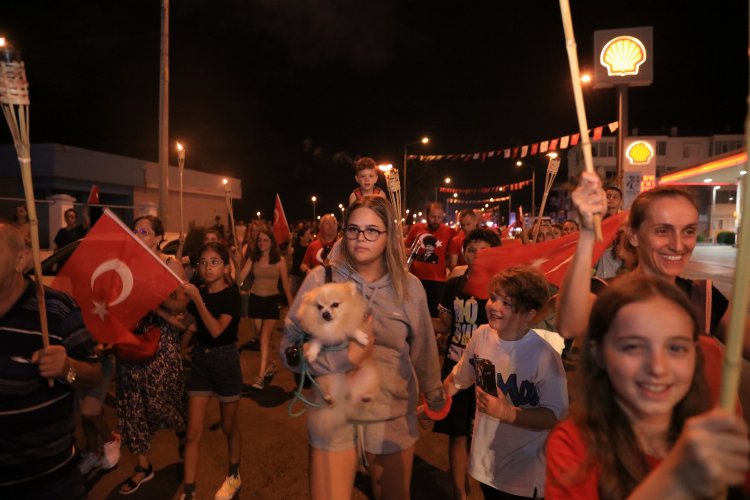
[570,45]
[181,166]
[730,376]
[14,98]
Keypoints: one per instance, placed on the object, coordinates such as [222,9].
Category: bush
[725,238]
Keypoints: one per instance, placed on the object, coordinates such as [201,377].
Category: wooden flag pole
[14,98]
[570,45]
[732,356]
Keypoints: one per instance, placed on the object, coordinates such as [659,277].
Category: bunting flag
[116,281]
[538,147]
[280,225]
[475,202]
[490,189]
[550,257]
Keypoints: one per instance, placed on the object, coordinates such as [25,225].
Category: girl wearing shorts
[216,364]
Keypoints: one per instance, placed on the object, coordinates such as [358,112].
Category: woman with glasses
[151,393]
[267,267]
[403,346]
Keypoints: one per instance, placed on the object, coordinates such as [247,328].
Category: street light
[314,199]
[424,140]
[446,181]
[519,163]
[258,214]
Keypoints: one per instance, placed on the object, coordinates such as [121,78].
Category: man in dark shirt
[37,422]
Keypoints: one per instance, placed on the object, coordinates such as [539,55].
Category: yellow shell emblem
[639,153]
[623,56]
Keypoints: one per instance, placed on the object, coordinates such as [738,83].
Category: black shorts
[216,371]
[263,307]
[460,418]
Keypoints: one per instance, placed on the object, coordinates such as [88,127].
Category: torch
[552,167]
[394,188]
[181,165]
[228,197]
[14,98]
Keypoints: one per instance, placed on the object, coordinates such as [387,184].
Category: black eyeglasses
[371,233]
[142,232]
[212,262]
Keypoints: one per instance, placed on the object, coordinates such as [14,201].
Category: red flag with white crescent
[550,257]
[115,279]
[280,225]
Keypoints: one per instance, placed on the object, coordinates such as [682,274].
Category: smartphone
[485,375]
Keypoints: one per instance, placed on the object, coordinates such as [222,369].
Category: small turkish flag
[550,257]
[280,225]
[94,195]
[115,279]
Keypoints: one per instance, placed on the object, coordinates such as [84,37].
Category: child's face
[366,179]
[649,356]
[504,317]
[211,267]
[471,251]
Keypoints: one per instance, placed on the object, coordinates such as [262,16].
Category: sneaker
[229,489]
[89,461]
[111,452]
[258,383]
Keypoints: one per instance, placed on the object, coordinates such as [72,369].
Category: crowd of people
[617,400]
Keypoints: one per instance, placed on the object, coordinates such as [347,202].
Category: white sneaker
[89,462]
[229,489]
[111,452]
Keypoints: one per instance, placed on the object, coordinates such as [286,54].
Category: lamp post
[424,140]
[314,199]
[447,182]
[519,163]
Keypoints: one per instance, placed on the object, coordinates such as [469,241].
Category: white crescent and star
[126,276]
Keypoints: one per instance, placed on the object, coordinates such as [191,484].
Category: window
[610,150]
[594,150]
[661,148]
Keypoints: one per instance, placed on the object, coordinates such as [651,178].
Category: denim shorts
[216,371]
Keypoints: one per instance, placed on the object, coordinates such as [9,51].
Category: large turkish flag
[550,257]
[280,225]
[115,279]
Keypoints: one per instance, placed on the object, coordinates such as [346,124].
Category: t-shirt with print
[226,301]
[529,374]
[317,253]
[429,263]
[456,247]
[468,314]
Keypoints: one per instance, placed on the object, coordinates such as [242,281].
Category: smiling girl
[216,367]
[636,428]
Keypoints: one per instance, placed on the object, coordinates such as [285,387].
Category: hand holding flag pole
[570,45]
[14,99]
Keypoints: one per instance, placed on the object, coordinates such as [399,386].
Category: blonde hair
[395,260]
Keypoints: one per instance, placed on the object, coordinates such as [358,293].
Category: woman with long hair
[267,266]
[637,428]
[402,345]
[151,393]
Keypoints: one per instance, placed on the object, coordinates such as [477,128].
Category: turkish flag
[115,279]
[280,225]
[550,257]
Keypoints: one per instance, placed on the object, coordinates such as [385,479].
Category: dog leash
[306,375]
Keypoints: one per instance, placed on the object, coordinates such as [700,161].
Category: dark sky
[282,92]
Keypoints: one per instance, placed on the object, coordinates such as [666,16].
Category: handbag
[142,348]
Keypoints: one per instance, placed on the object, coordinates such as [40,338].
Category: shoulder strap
[329,273]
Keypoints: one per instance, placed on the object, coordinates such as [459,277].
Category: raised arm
[575,297]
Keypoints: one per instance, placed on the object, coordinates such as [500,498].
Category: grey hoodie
[405,349]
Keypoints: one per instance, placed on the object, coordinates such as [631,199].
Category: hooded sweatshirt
[405,350]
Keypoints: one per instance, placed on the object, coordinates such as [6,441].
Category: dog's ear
[309,297]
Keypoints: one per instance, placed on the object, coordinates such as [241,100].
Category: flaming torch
[394,188]
[14,98]
[552,167]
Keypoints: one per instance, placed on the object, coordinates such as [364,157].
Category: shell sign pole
[639,167]
[623,58]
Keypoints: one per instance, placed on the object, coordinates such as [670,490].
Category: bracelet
[437,415]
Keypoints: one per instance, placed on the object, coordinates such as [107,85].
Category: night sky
[284,93]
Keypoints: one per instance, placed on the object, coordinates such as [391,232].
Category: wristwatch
[71,374]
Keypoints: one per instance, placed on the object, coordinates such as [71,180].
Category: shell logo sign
[639,153]
[623,56]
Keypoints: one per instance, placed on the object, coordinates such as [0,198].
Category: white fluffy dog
[333,313]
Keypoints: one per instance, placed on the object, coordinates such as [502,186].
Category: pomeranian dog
[332,314]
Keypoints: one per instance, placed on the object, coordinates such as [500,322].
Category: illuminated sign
[639,153]
[623,56]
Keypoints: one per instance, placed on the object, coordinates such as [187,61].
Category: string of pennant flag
[536,148]
[515,186]
[477,202]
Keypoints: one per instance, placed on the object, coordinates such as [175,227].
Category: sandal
[258,383]
[132,485]
[270,372]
